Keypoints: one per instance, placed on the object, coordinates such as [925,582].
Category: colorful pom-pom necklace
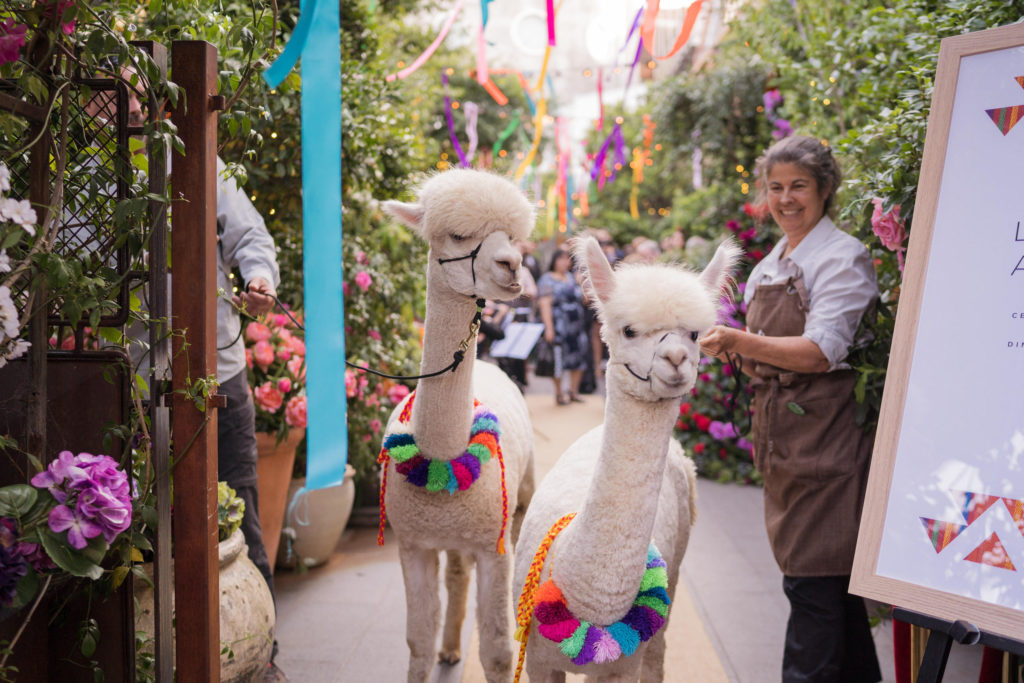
[444,475]
[579,640]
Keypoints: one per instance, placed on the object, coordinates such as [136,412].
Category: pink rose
[351,384]
[372,401]
[256,332]
[263,354]
[281,320]
[267,397]
[374,334]
[248,358]
[284,354]
[397,392]
[284,384]
[295,345]
[375,425]
[297,367]
[345,288]
[363,280]
[295,412]
[361,257]
[888,227]
[367,438]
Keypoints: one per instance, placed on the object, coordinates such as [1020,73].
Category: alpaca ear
[408,214]
[598,278]
[718,273]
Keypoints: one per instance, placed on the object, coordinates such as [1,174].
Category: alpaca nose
[676,355]
[510,260]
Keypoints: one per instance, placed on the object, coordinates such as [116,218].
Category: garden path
[344,621]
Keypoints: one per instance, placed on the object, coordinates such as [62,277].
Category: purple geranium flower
[721,430]
[12,568]
[772,98]
[79,529]
[782,129]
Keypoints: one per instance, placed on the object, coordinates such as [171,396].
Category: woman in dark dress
[560,300]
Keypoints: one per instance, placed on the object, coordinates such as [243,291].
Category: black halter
[472,261]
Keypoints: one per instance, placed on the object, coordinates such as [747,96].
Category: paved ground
[345,620]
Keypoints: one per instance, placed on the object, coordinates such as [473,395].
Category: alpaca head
[471,219]
[652,316]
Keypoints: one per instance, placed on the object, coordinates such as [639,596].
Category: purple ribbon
[451,123]
[620,155]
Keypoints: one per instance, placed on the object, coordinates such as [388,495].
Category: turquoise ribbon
[317,39]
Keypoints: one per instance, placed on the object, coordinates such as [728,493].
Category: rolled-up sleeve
[844,288]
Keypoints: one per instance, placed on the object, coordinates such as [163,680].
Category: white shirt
[840,279]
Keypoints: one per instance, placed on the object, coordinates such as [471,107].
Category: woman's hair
[558,253]
[809,154]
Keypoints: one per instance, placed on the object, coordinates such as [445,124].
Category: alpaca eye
[693,336]
[457,238]
[628,332]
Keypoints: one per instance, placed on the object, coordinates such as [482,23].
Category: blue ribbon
[317,39]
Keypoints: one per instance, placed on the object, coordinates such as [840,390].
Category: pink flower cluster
[92,494]
[276,356]
[888,226]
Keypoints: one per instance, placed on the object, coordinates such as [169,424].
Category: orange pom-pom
[548,592]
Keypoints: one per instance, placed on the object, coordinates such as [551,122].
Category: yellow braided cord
[524,611]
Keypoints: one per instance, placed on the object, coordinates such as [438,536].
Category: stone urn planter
[247,618]
[315,521]
[274,472]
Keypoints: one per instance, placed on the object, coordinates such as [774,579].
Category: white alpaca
[470,219]
[628,480]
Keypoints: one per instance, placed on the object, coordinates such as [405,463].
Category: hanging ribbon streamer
[552,200]
[483,11]
[640,157]
[451,123]
[504,135]
[542,106]
[481,57]
[585,202]
[597,173]
[419,61]
[569,192]
[632,68]
[651,15]
[316,39]
[551,23]
[600,99]
[526,91]
[472,112]
[629,36]
[561,144]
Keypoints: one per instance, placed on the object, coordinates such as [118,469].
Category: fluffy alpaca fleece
[470,219]
[628,480]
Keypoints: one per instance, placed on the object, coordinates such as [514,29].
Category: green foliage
[230,509]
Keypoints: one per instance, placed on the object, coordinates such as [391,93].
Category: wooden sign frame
[894,430]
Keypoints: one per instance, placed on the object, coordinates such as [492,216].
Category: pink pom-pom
[606,649]
[560,631]
[462,475]
[551,612]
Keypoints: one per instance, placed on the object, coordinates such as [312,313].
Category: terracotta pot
[247,618]
[274,472]
[315,521]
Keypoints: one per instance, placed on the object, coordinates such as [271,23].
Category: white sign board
[943,525]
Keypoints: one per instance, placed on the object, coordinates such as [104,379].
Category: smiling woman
[805,301]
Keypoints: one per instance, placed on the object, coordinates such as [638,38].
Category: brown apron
[807,445]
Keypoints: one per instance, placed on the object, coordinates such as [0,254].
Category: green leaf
[17,500]
[860,388]
[84,563]
[796,408]
[120,574]
[26,589]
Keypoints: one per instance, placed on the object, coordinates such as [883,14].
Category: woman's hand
[549,334]
[718,340]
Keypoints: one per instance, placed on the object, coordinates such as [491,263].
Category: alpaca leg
[653,668]
[456,582]
[538,675]
[494,615]
[423,607]
[527,485]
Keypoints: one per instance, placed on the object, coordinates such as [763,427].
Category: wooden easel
[931,640]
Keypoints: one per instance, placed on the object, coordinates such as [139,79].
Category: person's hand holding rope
[258,298]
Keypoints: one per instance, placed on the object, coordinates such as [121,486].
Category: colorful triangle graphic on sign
[1020,81]
[973,505]
[992,553]
[1016,508]
[1006,118]
[941,533]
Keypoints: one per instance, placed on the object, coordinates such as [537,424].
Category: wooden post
[193,292]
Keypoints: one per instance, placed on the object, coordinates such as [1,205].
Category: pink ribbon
[551,23]
[419,61]
[472,112]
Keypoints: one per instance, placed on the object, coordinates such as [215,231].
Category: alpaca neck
[443,411]
[601,555]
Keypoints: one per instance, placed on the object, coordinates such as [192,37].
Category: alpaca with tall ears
[598,558]
[458,452]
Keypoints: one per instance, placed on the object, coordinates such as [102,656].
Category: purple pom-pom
[418,474]
[645,620]
[552,612]
[587,652]
[471,464]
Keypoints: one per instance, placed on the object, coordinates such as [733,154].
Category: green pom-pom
[437,476]
[403,453]
[479,451]
[654,603]
[572,645]
[654,578]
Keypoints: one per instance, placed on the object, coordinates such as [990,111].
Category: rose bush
[275,354]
